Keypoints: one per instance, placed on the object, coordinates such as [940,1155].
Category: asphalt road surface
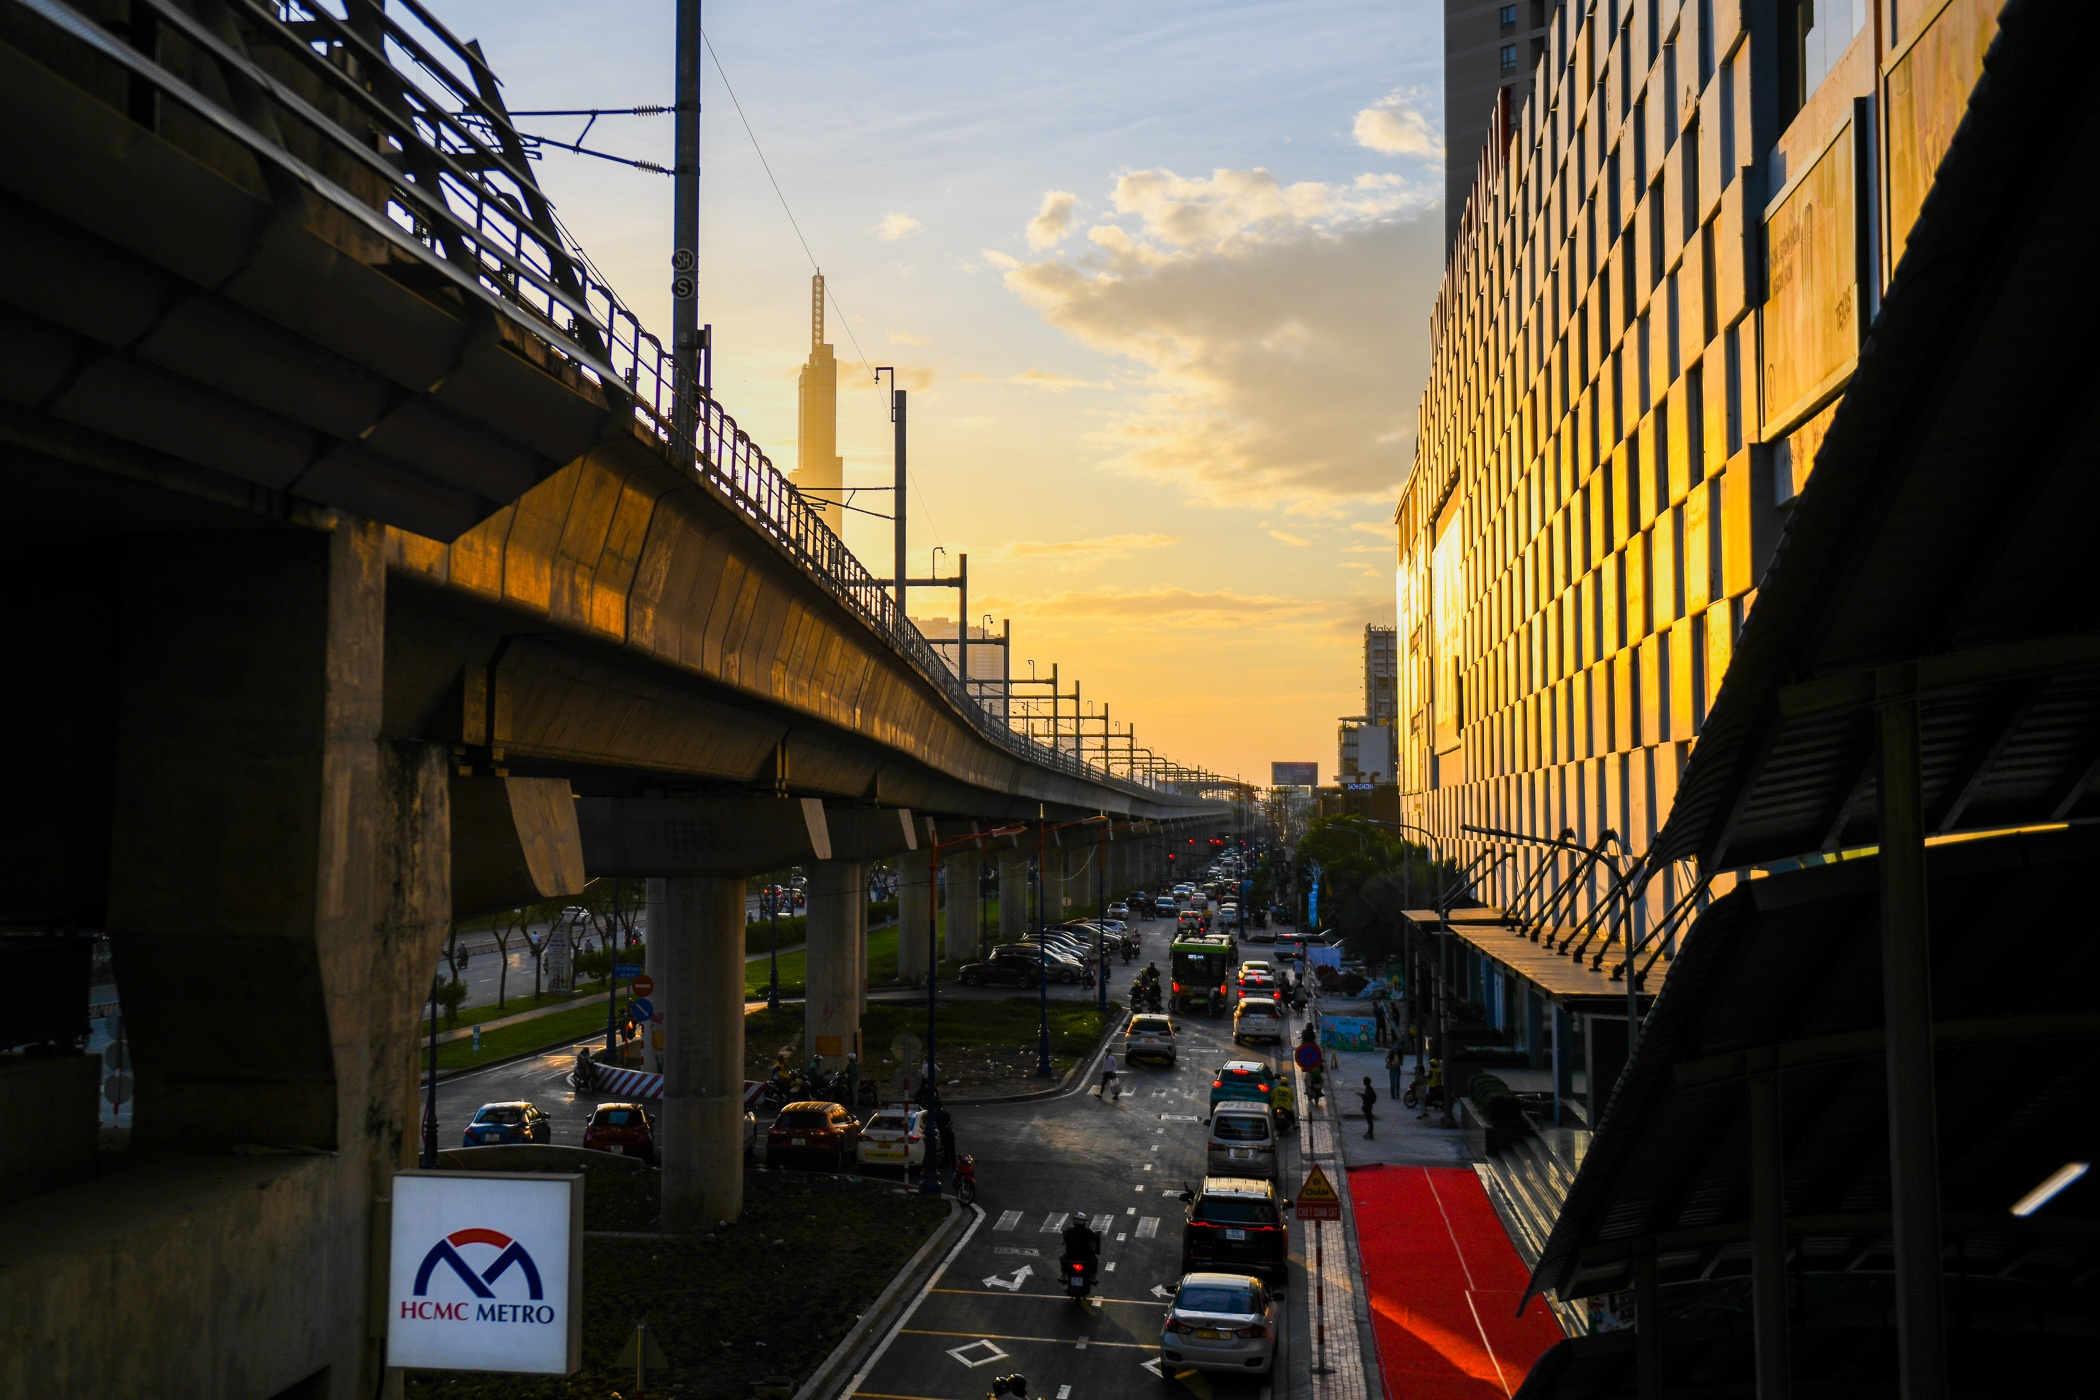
[997,1307]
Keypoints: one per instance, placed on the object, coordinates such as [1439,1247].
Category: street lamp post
[1042,969]
[1101,921]
[430,1087]
[773,982]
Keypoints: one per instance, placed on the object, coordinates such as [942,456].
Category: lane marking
[1053,1341]
[993,1353]
[1064,1392]
[1148,1227]
[1110,1267]
[1011,1249]
[1141,1185]
[1131,1210]
[1081,1344]
[1122,1237]
[1148,1167]
[1008,1219]
[1488,1343]
[875,1358]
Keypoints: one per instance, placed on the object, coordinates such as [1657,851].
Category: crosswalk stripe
[1008,1219]
[1053,1223]
[1148,1226]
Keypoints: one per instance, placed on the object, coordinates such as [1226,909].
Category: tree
[450,993]
[1368,876]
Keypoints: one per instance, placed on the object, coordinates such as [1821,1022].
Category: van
[1243,1141]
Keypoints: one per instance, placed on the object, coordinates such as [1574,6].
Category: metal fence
[387,116]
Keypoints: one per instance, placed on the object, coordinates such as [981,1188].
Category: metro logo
[446,1251]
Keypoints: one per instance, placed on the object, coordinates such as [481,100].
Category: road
[996,1307]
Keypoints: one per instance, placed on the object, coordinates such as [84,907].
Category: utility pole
[685,230]
[897,499]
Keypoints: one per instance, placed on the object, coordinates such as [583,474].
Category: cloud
[1277,330]
[895,226]
[1289,539]
[1053,221]
[1005,262]
[906,338]
[1166,607]
[1055,383]
[1395,125]
[1069,556]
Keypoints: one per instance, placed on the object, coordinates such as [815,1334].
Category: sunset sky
[1157,276]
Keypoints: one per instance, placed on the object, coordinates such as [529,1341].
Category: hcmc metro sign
[486,1272]
[446,1252]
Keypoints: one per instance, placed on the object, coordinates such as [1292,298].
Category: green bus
[1199,965]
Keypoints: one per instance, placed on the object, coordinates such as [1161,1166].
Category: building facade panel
[1654,295]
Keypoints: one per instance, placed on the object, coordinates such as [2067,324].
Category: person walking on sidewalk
[1395,1060]
[1370,1097]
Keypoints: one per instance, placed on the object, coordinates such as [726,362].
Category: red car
[813,1134]
[623,1129]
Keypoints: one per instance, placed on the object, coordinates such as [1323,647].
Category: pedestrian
[853,1079]
[1370,1097]
[1108,1075]
[1395,1059]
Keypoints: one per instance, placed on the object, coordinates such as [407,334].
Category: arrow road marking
[1153,1367]
[1013,1286]
[1160,1292]
[1008,1219]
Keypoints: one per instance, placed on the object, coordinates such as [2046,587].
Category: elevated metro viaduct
[357,583]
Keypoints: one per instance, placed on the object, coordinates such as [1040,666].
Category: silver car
[1149,1035]
[1219,1322]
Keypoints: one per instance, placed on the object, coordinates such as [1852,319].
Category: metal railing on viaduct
[399,127]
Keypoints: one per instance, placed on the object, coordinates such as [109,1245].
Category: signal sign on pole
[643,986]
[1317,1199]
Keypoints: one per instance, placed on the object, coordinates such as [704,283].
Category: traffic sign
[117,1088]
[640,1009]
[644,985]
[1316,1198]
[625,971]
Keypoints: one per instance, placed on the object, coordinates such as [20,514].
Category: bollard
[477,1038]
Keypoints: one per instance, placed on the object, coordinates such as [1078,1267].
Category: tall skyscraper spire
[819,470]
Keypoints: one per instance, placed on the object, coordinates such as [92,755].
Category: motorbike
[1078,1277]
[966,1178]
[585,1074]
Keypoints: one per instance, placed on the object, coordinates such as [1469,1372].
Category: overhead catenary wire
[780,194]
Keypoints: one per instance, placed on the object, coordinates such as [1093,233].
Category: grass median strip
[983,1044]
[767,1296]
[573,1024]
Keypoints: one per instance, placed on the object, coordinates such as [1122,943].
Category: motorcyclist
[1083,1243]
[584,1067]
[1150,976]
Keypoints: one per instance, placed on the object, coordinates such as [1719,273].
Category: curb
[839,1368]
[1079,1073]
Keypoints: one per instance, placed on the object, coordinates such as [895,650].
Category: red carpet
[1443,1281]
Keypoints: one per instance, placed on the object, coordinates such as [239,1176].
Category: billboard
[486,1272]
[1294,775]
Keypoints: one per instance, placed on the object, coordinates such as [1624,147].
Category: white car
[1248,965]
[894,1137]
[1149,1037]
[1257,1019]
[1219,1322]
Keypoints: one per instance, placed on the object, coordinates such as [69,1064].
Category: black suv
[1003,967]
[1236,1224]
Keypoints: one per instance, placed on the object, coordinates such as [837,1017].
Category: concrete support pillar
[1647,1322]
[860,943]
[700,1137]
[1013,896]
[653,916]
[1768,1305]
[831,1024]
[914,908]
[965,928]
[1534,1026]
[1906,994]
[1563,1062]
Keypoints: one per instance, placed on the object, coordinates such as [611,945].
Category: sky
[1157,278]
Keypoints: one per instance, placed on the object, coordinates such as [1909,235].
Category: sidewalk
[1439,1270]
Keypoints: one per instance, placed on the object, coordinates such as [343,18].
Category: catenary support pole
[685,225]
[1906,980]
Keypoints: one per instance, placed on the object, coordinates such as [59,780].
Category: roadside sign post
[1318,1201]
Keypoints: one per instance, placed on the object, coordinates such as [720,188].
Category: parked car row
[621,1129]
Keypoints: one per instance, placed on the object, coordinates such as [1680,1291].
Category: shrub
[450,993]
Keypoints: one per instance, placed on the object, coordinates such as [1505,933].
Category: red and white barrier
[615,1083]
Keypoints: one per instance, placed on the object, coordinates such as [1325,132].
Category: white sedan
[894,1137]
